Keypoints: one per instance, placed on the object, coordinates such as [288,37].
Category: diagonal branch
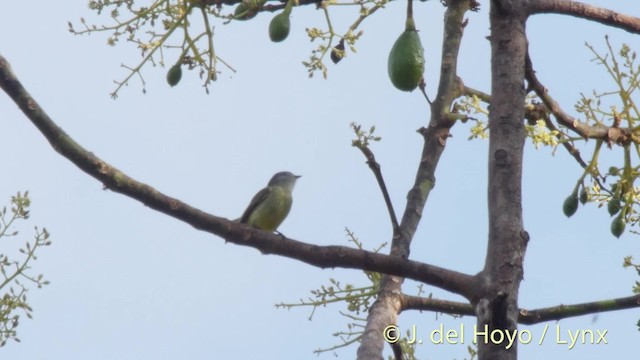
[385,310]
[532,113]
[375,168]
[540,111]
[588,12]
[607,133]
[239,234]
[527,317]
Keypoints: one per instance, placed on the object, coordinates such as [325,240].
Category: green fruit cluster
[614,206]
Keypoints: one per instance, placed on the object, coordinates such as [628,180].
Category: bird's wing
[257,200]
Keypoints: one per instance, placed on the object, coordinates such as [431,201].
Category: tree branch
[437,305]
[586,11]
[608,133]
[239,234]
[540,111]
[387,306]
[527,317]
[559,312]
[533,112]
[468,91]
[496,304]
[375,168]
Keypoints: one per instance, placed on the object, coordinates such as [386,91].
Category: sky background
[130,283]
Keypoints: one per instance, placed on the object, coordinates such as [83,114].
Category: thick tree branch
[239,234]
[431,304]
[586,11]
[559,312]
[385,309]
[527,317]
[496,304]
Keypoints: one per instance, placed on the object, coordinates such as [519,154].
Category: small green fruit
[617,226]
[570,205]
[279,27]
[174,75]
[614,205]
[584,197]
[244,12]
[614,187]
[406,61]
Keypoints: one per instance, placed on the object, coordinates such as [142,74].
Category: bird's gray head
[284,179]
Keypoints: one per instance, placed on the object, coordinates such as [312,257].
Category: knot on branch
[618,136]
[535,111]
[501,157]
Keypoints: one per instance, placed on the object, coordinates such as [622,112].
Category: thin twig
[377,172]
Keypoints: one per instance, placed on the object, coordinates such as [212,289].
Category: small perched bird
[271,205]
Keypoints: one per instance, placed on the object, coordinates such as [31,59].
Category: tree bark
[497,304]
[384,311]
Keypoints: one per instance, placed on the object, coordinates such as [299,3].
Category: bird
[271,205]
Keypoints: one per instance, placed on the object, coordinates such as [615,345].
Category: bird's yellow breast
[269,214]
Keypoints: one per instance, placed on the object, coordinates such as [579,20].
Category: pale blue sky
[130,283]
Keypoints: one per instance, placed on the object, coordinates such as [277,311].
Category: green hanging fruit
[617,226]
[174,75]
[279,27]
[570,205]
[243,12]
[280,24]
[406,59]
[584,197]
[248,9]
[614,205]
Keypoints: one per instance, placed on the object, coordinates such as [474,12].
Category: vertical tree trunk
[497,306]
